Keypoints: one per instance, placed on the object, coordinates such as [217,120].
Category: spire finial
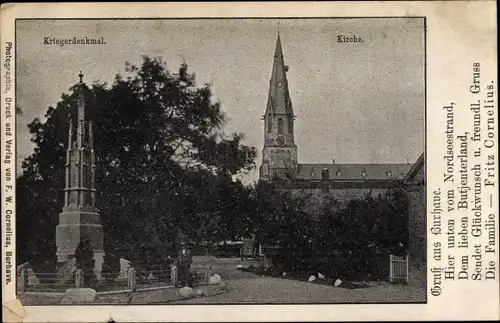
[81,77]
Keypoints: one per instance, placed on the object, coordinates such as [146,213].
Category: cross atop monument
[81,77]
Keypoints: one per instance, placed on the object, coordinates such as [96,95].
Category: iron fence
[106,282]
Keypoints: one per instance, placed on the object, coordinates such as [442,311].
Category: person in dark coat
[184,260]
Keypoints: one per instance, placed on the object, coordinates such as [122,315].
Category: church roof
[279,101]
[351,172]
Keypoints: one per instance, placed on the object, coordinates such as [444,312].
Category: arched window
[290,123]
[325,173]
[280,125]
[269,125]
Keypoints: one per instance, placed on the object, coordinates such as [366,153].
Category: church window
[312,172]
[290,123]
[280,125]
[363,173]
[338,173]
[325,173]
[269,125]
[389,173]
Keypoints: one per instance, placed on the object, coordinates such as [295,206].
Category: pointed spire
[81,97]
[80,86]
[81,113]
[279,97]
[278,52]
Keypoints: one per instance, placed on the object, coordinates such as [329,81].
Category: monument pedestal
[74,226]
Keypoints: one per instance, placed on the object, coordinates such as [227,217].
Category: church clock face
[280,140]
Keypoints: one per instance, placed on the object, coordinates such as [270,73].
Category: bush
[227,251]
[353,267]
[351,242]
[110,268]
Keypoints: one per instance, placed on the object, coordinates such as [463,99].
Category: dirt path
[247,288]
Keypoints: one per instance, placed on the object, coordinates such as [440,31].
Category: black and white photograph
[220,161]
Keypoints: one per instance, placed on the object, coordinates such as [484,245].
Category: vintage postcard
[291,161]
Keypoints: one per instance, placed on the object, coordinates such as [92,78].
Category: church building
[342,182]
[280,163]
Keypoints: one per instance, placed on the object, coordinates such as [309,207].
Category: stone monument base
[79,296]
[66,268]
[76,224]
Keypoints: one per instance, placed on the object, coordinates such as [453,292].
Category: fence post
[390,268]
[23,281]
[208,273]
[407,269]
[79,278]
[268,261]
[173,274]
[132,282]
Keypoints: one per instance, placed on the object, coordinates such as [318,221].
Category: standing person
[184,260]
[255,247]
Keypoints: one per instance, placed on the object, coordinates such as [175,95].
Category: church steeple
[279,156]
[279,101]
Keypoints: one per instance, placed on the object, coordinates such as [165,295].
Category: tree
[110,268]
[282,219]
[346,241]
[364,231]
[159,143]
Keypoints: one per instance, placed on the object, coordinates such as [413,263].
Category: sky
[354,102]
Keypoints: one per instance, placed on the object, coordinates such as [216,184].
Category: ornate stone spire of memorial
[80,218]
